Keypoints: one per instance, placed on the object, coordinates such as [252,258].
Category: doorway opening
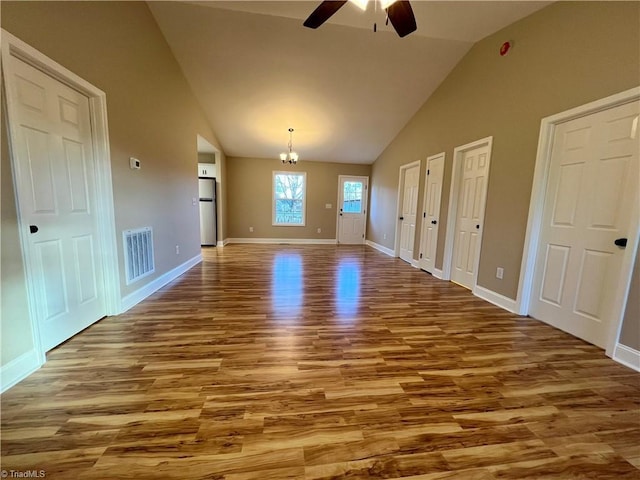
[408,183]
[70,265]
[352,214]
[532,258]
[431,213]
[465,222]
[208,192]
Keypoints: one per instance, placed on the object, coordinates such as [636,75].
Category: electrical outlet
[328,206]
[177,249]
[134,163]
[499,272]
[384,237]
[194,201]
[250,229]
[319,230]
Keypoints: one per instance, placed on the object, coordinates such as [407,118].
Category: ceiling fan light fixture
[361,4]
[399,13]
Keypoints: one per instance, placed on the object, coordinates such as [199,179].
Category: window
[352,197]
[289,198]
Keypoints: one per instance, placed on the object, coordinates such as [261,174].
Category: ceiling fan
[399,13]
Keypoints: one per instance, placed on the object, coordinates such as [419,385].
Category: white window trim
[273,200]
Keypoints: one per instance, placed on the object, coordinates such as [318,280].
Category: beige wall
[630,333]
[250,187]
[152,115]
[223,204]
[563,56]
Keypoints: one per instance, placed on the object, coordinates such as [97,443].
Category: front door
[470,215]
[431,213]
[409,212]
[54,168]
[591,189]
[352,209]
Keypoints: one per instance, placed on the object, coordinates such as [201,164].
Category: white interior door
[352,211]
[431,213]
[591,190]
[470,215]
[408,212]
[55,184]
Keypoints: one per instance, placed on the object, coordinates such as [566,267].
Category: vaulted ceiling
[346,90]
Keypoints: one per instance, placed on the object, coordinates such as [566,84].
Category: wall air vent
[138,253]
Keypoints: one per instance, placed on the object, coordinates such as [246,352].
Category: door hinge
[363,235]
[424,214]
[428,171]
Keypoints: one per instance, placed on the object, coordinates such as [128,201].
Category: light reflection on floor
[347,292]
[287,284]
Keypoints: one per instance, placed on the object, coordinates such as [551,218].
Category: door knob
[620,242]
[33,228]
[401,218]
[434,222]
[478,227]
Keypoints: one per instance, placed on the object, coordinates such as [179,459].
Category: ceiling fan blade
[323,12]
[401,15]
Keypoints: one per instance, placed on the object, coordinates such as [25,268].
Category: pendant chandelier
[290,156]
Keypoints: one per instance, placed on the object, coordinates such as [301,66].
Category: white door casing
[534,221]
[591,190]
[353,192]
[55,168]
[469,213]
[71,183]
[431,212]
[410,180]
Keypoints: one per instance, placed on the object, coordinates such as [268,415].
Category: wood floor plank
[318,362]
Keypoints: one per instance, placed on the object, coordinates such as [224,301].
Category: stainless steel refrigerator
[208,211]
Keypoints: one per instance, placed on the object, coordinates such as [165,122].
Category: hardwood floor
[318,362]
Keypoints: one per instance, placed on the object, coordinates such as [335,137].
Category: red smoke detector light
[504,49]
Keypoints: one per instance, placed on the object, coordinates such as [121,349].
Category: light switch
[327,205]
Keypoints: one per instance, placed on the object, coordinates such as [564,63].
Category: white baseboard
[627,356]
[139,295]
[415,263]
[279,241]
[18,369]
[381,248]
[437,273]
[222,243]
[492,297]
